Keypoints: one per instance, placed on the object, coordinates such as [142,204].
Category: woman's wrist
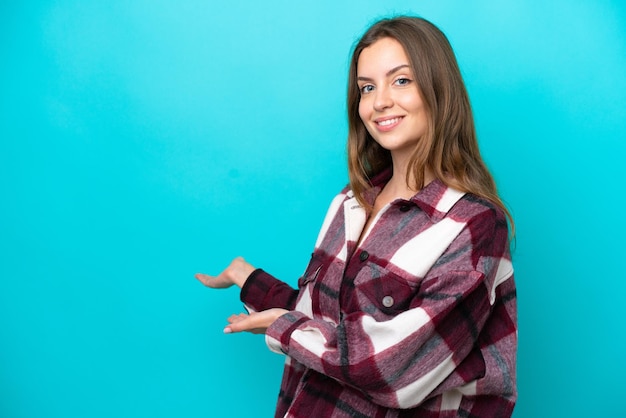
[239,271]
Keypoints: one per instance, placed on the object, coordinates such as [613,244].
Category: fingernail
[227,330]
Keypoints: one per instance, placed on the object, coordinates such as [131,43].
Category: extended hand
[256,322]
[236,273]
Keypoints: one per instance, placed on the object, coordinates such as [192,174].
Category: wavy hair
[450,147]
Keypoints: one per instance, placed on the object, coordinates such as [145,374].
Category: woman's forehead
[385,55]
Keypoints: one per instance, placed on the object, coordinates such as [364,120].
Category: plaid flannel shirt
[418,320]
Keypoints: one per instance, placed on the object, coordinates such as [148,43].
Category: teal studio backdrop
[144,141]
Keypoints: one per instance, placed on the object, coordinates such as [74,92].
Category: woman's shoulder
[472,206]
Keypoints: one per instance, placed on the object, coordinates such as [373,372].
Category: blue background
[143,141]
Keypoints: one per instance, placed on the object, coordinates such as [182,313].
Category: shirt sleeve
[263,291]
[402,361]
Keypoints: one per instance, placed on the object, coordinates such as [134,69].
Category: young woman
[408,305]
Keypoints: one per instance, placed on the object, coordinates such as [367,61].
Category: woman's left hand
[256,322]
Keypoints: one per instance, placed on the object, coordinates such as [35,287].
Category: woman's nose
[383,99]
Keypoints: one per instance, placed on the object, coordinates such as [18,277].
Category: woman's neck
[397,185]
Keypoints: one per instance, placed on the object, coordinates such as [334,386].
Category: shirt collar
[435,199]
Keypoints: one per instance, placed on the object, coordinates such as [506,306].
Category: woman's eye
[403,81]
[367,88]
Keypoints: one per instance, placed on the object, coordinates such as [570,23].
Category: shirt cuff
[278,335]
[255,288]
[247,285]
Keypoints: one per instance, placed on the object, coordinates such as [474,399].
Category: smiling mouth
[388,122]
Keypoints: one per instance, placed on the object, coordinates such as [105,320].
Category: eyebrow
[390,72]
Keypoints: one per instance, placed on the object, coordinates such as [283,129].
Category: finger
[220,281]
[236,318]
[245,323]
[204,278]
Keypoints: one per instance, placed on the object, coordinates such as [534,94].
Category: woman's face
[391,105]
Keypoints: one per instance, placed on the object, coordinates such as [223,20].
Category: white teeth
[388,122]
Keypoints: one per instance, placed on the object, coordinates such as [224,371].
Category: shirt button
[405,208]
[387,301]
[364,255]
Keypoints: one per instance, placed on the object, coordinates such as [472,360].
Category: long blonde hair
[449,148]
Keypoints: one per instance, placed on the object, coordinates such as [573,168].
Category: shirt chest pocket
[382,293]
